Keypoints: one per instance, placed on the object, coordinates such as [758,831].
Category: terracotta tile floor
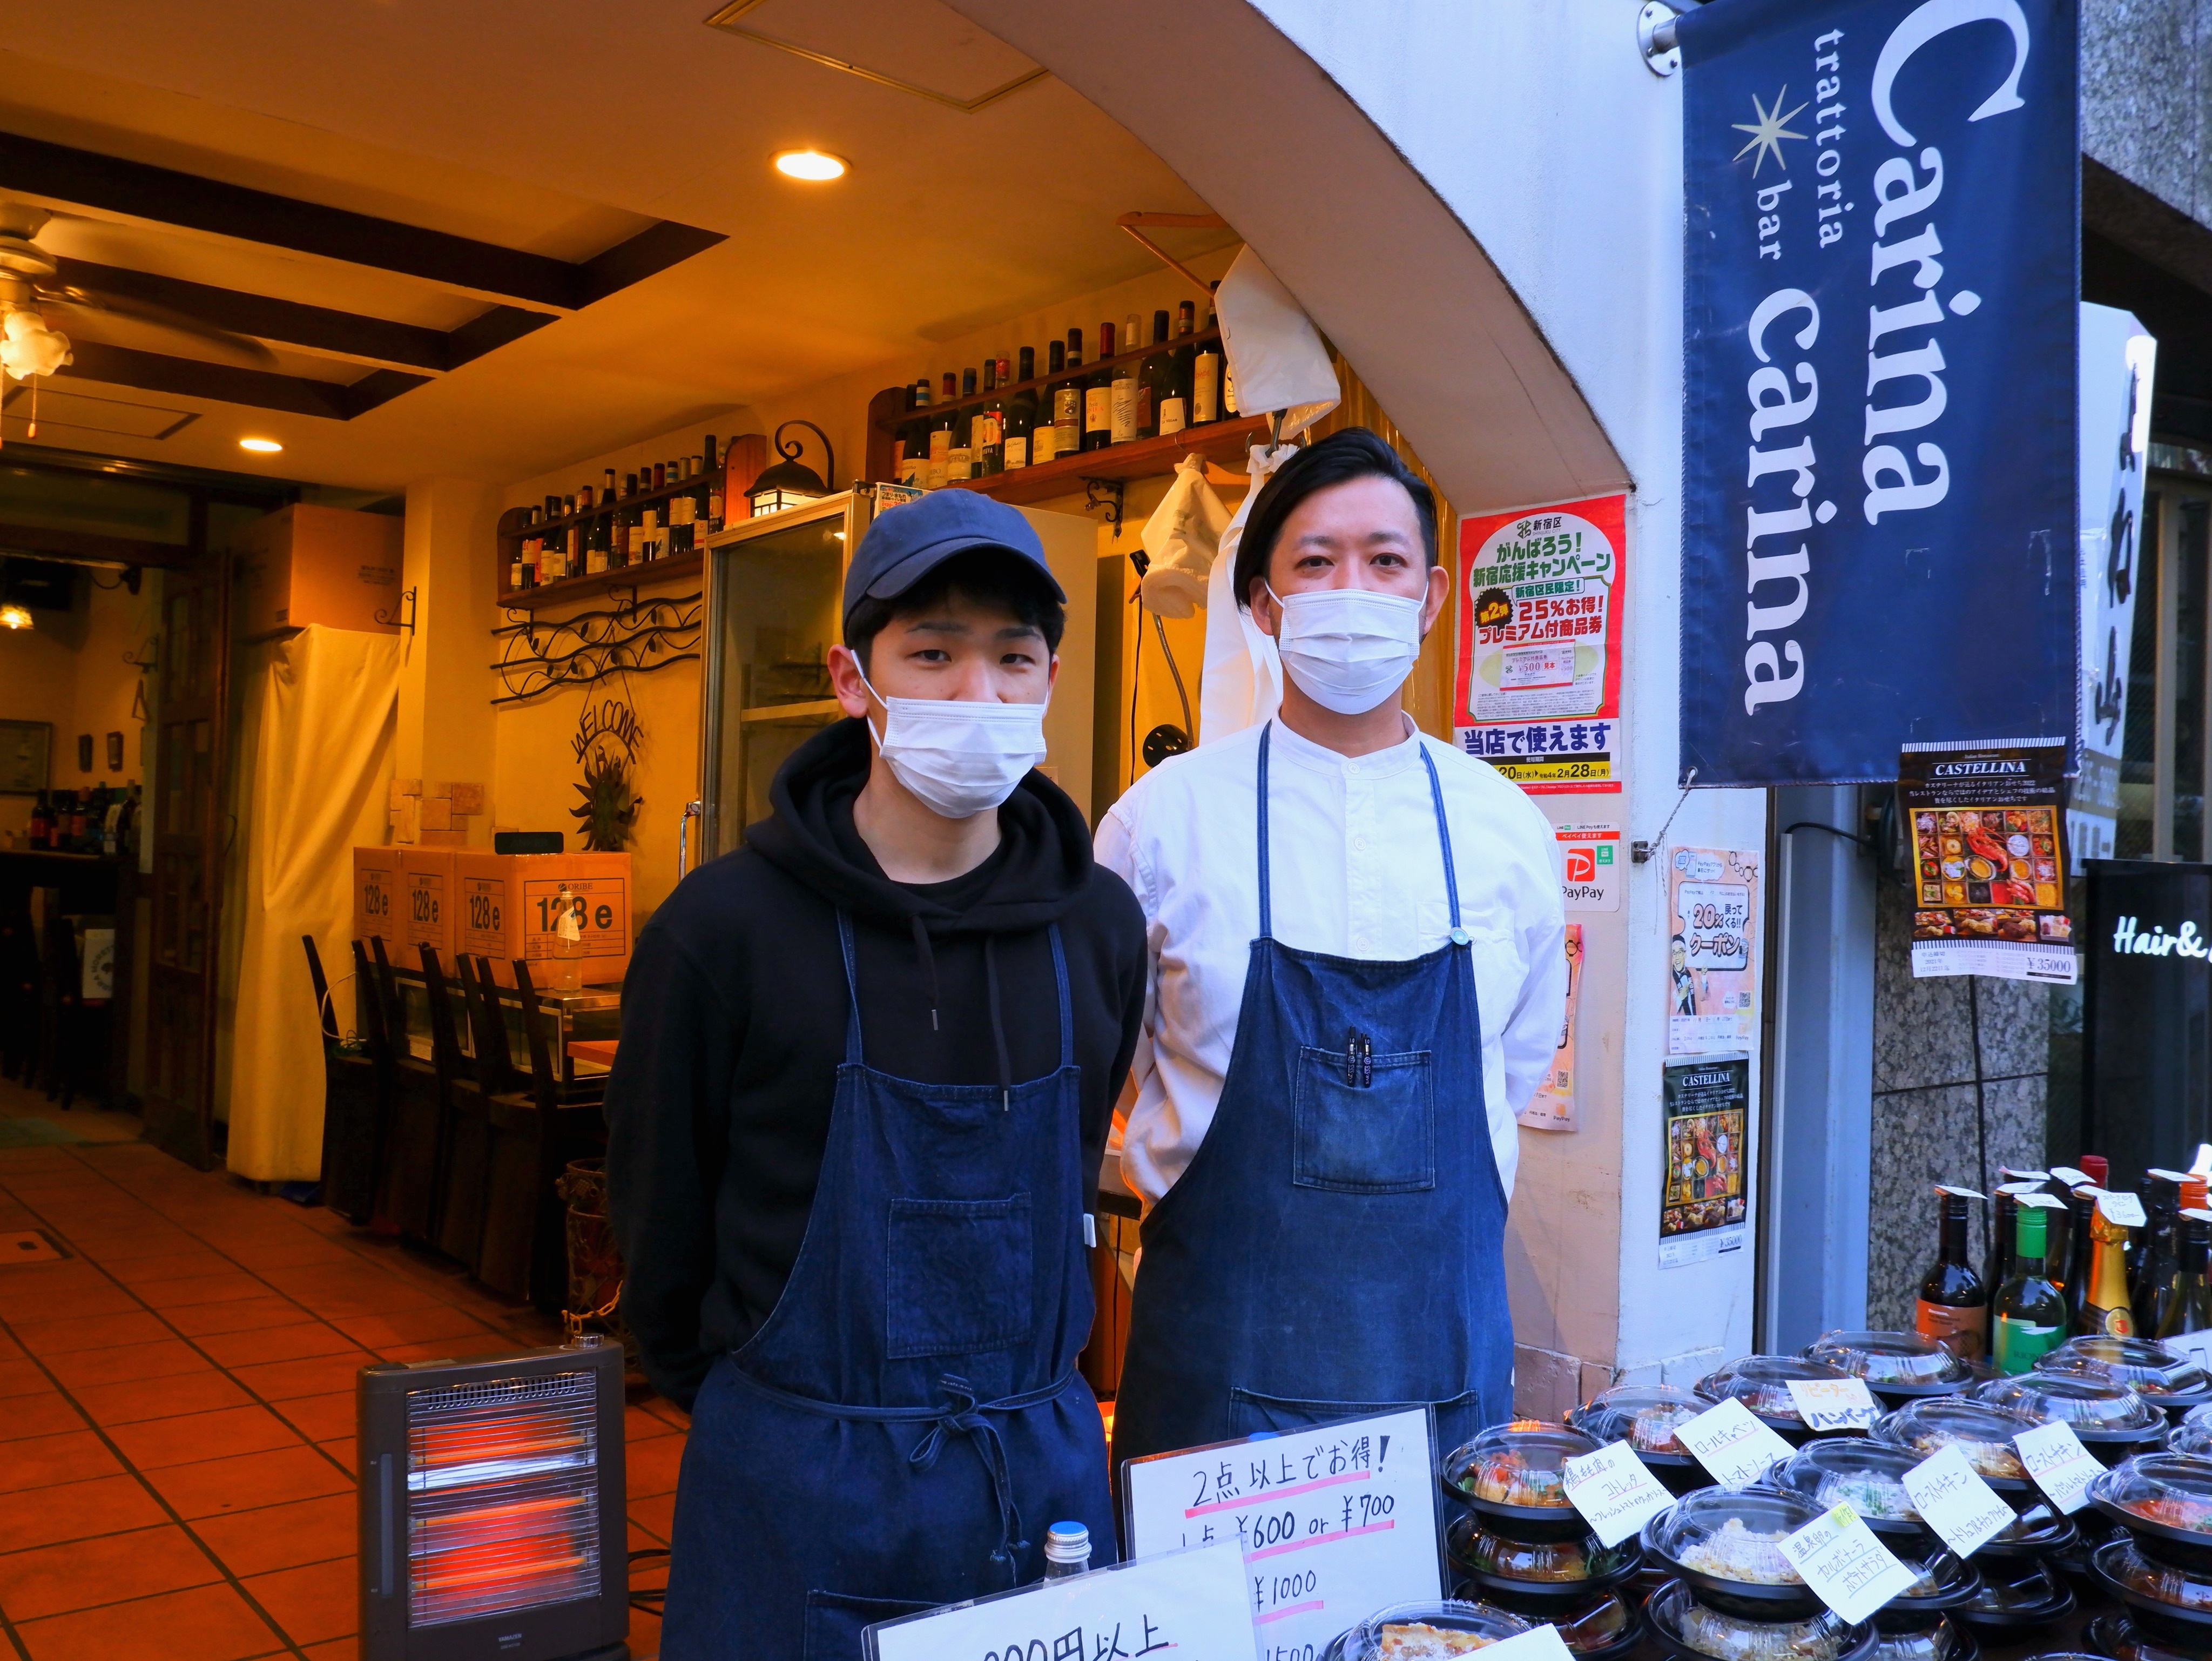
[177,1412]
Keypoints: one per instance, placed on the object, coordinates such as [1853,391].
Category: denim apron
[908,1420]
[1336,1246]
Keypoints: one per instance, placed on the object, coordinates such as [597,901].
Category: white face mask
[958,756]
[1348,648]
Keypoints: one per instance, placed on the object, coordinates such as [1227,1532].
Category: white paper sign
[1834,1404]
[1334,1523]
[2073,1178]
[1963,1193]
[1538,1643]
[1845,1565]
[2124,1210]
[1615,1492]
[2062,1467]
[1731,1444]
[1953,1499]
[1182,1606]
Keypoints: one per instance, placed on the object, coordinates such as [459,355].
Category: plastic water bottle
[1067,1550]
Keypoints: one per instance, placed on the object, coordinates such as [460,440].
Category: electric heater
[491,1507]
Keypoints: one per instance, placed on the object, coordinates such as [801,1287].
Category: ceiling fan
[31,291]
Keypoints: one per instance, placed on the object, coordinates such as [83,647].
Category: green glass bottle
[2031,1315]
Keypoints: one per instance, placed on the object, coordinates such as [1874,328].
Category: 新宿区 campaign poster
[1539,693]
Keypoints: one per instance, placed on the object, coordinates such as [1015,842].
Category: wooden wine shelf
[1041,384]
[654,571]
[1221,441]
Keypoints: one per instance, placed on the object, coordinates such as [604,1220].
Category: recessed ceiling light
[262,446]
[814,164]
[15,617]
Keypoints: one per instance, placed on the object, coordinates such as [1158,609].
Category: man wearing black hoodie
[867,1068]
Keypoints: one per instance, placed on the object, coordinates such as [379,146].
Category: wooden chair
[568,1131]
[465,1138]
[353,1088]
[413,1142]
[514,1178]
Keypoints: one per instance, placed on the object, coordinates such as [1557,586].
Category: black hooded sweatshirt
[734,1025]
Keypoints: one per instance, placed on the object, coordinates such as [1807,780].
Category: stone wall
[2147,97]
[1960,1068]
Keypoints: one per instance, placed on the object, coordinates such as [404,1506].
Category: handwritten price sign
[1334,1523]
[1730,1443]
[1615,1491]
[1833,1403]
[1848,1568]
[2062,1467]
[1953,1499]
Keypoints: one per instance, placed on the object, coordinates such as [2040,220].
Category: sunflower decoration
[610,803]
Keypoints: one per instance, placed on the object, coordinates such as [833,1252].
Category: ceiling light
[15,617]
[813,165]
[260,446]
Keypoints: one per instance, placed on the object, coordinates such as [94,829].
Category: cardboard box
[304,564]
[376,895]
[507,910]
[426,895]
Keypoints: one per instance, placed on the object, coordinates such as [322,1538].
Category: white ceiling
[563,128]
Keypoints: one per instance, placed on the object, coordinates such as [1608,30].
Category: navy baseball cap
[908,542]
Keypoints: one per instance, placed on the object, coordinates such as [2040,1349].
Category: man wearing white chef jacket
[1356,976]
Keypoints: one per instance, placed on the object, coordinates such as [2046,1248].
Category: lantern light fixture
[15,617]
[791,482]
[815,167]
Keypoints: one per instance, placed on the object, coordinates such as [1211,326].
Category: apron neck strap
[852,988]
[1266,894]
[853,1056]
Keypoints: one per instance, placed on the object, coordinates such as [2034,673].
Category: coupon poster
[1552,1106]
[1539,693]
[1712,951]
[1988,859]
[1703,1200]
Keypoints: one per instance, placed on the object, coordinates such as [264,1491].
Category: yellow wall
[69,670]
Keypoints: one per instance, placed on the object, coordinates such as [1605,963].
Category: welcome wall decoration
[1878,312]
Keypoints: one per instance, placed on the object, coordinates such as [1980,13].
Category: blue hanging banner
[1882,234]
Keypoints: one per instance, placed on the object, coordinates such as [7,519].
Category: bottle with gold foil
[2105,1305]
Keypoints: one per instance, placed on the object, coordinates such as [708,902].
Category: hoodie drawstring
[927,958]
[997,1025]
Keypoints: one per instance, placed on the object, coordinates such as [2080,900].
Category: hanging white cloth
[1241,684]
[1276,355]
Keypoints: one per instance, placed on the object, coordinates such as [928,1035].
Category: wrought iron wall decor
[537,656]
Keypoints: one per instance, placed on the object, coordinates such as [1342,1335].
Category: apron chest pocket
[958,1281]
[1377,1136]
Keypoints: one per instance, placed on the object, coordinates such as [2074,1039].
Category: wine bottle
[990,427]
[2030,1316]
[2082,1205]
[1953,1306]
[1021,413]
[1098,395]
[1125,413]
[42,821]
[1155,383]
[2004,1208]
[2188,1305]
[2105,1304]
[1067,396]
[1174,404]
[2095,1166]
[911,441]
[1206,372]
[2157,1255]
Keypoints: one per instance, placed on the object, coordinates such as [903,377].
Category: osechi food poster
[1987,830]
[1539,691]
[1712,980]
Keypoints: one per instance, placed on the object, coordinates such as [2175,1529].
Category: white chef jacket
[1357,873]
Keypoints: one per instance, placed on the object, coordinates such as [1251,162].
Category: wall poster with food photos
[1987,829]
[1704,1199]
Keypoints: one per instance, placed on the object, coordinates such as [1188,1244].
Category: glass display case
[775,592]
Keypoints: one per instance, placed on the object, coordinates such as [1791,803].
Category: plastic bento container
[1646,1417]
[1557,1573]
[1981,1430]
[1762,1382]
[1946,1582]
[1943,1639]
[2163,1375]
[2113,1420]
[1722,1545]
[1512,1477]
[1686,1629]
[1599,1628]
[2016,1597]
[1449,1622]
[1897,1366]
[2161,1600]
[1865,1474]
[2164,1501]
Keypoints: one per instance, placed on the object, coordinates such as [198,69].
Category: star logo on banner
[1766,133]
